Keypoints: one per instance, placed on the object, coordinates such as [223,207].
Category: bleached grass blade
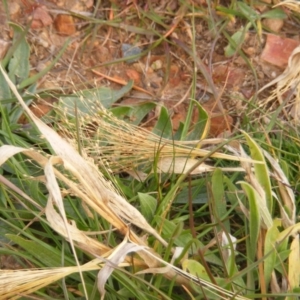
[254,189]
[181,165]
[290,4]
[14,284]
[117,256]
[287,195]
[294,264]
[261,171]
[270,251]
[286,82]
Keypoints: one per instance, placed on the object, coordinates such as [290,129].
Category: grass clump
[109,209]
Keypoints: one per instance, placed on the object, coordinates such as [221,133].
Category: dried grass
[86,182]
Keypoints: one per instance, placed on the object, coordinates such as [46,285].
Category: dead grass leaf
[290,4]
[286,83]
[113,261]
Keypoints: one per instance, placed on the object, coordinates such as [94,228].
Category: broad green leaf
[201,128]
[179,132]
[48,256]
[248,12]
[228,12]
[254,217]
[236,40]
[168,227]
[275,13]
[33,79]
[106,96]
[121,112]
[219,199]
[135,114]
[19,64]
[261,170]
[195,268]
[4,89]
[290,231]
[139,112]
[270,251]
[163,126]
[197,196]
[17,112]
[148,206]
[5,229]
[89,100]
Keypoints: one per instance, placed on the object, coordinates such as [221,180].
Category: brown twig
[122,82]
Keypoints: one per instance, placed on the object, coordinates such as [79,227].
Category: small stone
[156,65]
[130,50]
[273,24]
[250,51]
[64,24]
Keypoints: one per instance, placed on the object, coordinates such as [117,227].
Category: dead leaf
[286,82]
[181,165]
[288,207]
[112,262]
[294,264]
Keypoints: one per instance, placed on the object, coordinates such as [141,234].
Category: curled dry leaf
[226,243]
[182,165]
[288,207]
[112,262]
[290,4]
[288,82]
[260,195]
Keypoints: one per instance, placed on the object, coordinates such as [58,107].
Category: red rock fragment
[134,75]
[232,77]
[41,18]
[278,50]
[219,124]
[64,24]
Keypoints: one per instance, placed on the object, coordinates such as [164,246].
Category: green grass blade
[261,170]
[163,126]
[254,217]
[31,80]
[219,202]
